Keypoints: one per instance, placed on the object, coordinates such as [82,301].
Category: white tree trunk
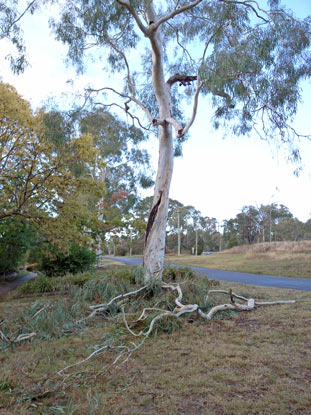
[156,227]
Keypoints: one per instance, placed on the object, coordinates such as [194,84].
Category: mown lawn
[242,363]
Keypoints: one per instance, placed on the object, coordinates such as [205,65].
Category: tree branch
[169,120]
[184,80]
[126,3]
[195,107]
[130,84]
[154,26]
[247,4]
[129,97]
[21,15]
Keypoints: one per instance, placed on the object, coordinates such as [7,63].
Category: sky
[216,175]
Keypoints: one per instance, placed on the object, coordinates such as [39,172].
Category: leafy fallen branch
[179,310]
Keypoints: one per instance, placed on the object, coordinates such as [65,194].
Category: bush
[40,284]
[79,259]
[16,238]
[89,285]
[177,273]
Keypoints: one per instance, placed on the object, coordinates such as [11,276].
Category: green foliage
[47,319]
[61,316]
[252,67]
[78,259]
[172,274]
[16,237]
[5,384]
[89,285]
[40,284]
[10,29]
[47,181]
[263,224]
[79,279]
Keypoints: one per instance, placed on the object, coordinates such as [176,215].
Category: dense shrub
[177,273]
[89,285]
[79,259]
[40,284]
[16,238]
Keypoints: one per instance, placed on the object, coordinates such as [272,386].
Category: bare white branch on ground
[180,310]
[100,307]
[18,339]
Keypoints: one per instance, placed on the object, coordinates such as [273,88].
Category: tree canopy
[38,182]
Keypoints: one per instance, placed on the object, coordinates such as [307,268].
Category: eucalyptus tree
[10,18]
[127,164]
[246,60]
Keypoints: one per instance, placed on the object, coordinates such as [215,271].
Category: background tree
[126,167]
[307,230]
[126,163]
[289,229]
[266,223]
[16,238]
[210,234]
[46,186]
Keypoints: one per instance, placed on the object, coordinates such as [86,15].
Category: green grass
[289,259]
[243,363]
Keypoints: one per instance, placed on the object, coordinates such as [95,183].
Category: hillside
[289,259]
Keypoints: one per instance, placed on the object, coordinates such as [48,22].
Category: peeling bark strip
[182,79]
[152,216]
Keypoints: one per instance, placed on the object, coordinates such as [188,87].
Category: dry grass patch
[242,363]
[106,263]
[289,259]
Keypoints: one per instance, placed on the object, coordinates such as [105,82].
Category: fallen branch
[25,336]
[256,303]
[180,309]
[18,339]
[104,306]
[100,307]
[84,360]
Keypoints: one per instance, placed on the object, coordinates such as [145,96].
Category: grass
[107,263]
[288,259]
[242,363]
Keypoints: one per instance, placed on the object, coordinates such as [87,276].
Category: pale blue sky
[217,176]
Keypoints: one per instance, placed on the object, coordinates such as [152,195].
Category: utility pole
[131,250]
[196,242]
[270,226]
[178,226]
[219,226]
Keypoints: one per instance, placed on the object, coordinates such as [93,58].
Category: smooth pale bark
[156,227]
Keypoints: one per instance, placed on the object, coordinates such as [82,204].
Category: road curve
[303,284]
[11,285]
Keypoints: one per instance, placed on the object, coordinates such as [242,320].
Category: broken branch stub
[184,80]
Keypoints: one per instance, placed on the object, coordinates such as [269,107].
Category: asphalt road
[303,284]
[11,285]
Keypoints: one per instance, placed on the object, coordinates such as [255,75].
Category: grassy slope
[251,363]
[289,259]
